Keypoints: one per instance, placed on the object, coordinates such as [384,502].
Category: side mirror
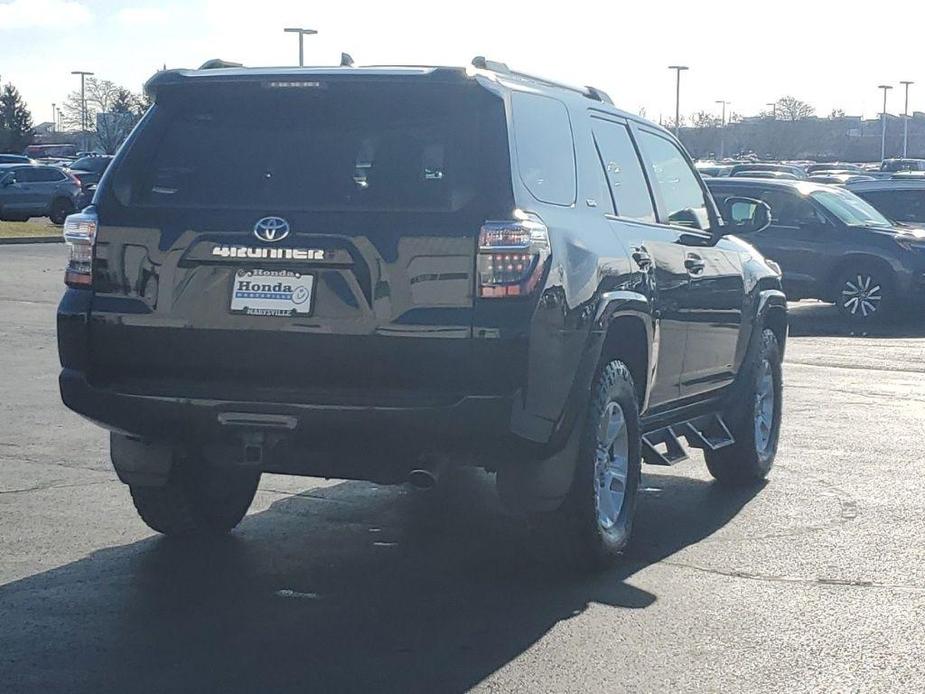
[745,216]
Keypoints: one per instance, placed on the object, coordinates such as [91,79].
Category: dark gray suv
[36,191]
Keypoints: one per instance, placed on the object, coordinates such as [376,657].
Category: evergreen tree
[15,121]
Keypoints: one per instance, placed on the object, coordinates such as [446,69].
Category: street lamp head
[81,72]
[299,30]
[906,82]
[678,67]
[884,86]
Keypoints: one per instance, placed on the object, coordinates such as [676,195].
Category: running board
[663,446]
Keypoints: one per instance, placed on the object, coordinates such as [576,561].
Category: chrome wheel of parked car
[611,465]
[861,296]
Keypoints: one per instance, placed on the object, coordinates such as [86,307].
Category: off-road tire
[745,462]
[197,499]
[591,545]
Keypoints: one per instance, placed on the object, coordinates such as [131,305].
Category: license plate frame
[277,292]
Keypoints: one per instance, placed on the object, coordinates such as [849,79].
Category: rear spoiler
[221,71]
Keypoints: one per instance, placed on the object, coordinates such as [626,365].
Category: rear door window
[545,148]
[332,146]
[676,184]
[631,196]
[48,176]
[899,205]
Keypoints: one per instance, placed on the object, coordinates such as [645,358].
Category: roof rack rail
[218,63]
[481,63]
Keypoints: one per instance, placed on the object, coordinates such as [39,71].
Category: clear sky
[832,53]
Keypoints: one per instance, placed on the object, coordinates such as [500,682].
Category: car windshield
[850,209]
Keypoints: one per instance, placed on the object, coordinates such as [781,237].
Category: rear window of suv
[332,146]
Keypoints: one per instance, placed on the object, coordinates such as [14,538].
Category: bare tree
[704,119]
[836,113]
[792,109]
[112,111]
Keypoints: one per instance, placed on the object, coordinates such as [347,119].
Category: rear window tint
[383,146]
[545,150]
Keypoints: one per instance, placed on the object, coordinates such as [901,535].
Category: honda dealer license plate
[272,293]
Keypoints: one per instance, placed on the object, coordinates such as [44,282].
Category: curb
[16,240]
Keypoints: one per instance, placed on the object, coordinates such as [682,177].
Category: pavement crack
[52,485]
[796,580]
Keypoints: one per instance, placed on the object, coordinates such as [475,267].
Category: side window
[899,205]
[545,150]
[789,209]
[48,176]
[627,182]
[27,175]
[675,181]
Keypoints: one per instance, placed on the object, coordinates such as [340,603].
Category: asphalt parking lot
[816,581]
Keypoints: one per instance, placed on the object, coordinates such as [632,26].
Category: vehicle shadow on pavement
[350,587]
[817,319]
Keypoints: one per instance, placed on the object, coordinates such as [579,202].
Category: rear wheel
[60,209]
[198,499]
[601,505]
[754,421]
[864,294]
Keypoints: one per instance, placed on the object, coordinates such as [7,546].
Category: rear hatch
[263,238]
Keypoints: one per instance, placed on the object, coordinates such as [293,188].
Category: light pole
[773,109]
[885,88]
[302,34]
[906,83]
[722,131]
[83,103]
[677,98]
[54,118]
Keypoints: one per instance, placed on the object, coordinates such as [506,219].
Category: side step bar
[663,446]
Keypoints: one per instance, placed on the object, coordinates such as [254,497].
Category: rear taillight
[512,256]
[79,235]
[73,178]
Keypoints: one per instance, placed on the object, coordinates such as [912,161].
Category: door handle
[643,259]
[694,264]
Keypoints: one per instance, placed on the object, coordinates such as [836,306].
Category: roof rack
[482,63]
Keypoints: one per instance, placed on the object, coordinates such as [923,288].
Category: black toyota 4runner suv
[373,273]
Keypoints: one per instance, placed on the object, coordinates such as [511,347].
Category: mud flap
[139,463]
[540,486]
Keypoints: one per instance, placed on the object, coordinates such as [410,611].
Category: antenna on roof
[346,60]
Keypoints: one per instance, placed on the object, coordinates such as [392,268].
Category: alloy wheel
[611,467]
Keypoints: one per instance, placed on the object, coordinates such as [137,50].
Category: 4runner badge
[268,253]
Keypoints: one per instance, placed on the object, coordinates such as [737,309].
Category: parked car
[902,200]
[15,159]
[839,178]
[401,269]
[894,165]
[89,170]
[36,191]
[834,246]
[839,166]
[51,151]
[713,169]
[761,173]
[795,171]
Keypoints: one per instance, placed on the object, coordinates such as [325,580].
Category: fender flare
[541,485]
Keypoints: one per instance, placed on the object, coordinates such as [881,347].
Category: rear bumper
[348,441]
